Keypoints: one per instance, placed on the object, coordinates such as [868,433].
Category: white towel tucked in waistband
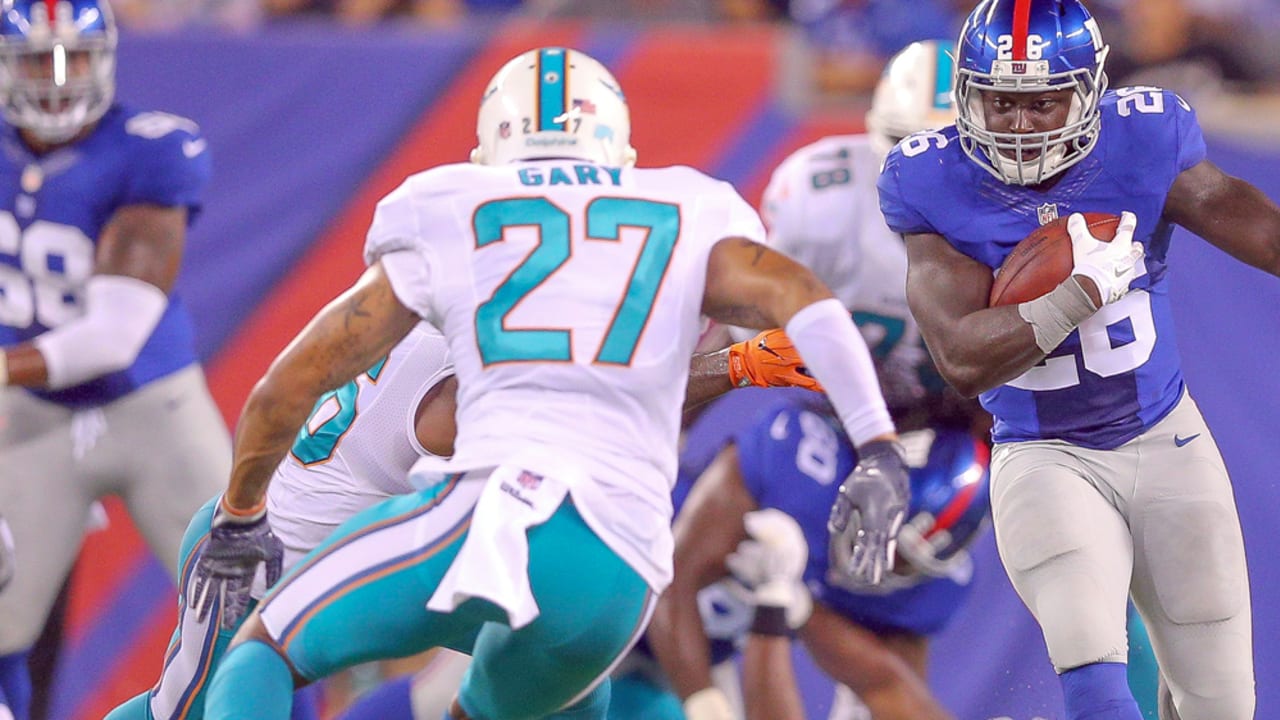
[493,563]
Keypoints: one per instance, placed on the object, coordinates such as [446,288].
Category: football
[1042,260]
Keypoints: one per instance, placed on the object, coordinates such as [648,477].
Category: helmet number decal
[1034,49]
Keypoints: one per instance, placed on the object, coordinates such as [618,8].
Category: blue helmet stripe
[944,76]
[551,87]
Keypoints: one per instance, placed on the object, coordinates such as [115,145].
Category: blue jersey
[793,457]
[53,208]
[1118,373]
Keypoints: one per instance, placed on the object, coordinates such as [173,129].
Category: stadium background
[310,125]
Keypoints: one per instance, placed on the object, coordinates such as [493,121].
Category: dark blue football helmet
[57,65]
[950,504]
[1029,46]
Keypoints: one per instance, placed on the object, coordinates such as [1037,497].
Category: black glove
[224,572]
[868,512]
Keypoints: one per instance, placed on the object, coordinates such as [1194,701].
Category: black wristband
[770,620]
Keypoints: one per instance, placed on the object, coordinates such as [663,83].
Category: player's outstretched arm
[346,337]
[139,252]
[707,530]
[887,673]
[1230,213]
[750,285]
[974,347]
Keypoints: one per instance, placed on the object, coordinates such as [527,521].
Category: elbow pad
[120,314]
[834,351]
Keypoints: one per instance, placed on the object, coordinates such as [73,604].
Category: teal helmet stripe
[552,87]
[944,75]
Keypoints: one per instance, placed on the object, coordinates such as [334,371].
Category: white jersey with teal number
[823,211]
[337,466]
[571,296]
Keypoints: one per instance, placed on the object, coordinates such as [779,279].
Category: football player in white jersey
[571,288]
[822,210]
[355,450]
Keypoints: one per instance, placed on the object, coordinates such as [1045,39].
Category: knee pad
[1200,537]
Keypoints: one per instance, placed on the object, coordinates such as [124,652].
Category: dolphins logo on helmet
[553,103]
[914,94]
[1029,46]
[57,65]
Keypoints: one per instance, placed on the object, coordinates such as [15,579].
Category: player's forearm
[708,378]
[985,349]
[23,365]
[268,426]
[678,640]
[768,680]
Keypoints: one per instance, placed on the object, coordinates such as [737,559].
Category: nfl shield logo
[1047,213]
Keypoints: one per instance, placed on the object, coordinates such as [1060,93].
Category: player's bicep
[750,285]
[851,654]
[143,241]
[943,285]
[1230,213]
[709,526]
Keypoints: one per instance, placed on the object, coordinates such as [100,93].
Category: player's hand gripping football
[769,360]
[868,512]
[1110,265]
[224,571]
[771,562]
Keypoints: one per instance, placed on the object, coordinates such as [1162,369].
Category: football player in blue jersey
[100,390]
[1106,481]
[783,451]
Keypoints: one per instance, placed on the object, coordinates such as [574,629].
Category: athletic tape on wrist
[1053,316]
[4,368]
[770,620]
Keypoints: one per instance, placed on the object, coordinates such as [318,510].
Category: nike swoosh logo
[1180,441]
[1121,271]
[192,148]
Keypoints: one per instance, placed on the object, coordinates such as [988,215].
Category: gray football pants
[163,449]
[1079,530]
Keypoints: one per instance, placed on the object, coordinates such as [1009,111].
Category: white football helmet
[913,94]
[553,103]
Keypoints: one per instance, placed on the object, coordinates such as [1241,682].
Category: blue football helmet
[1029,46]
[950,505]
[57,65]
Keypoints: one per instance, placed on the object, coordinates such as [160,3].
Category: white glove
[771,561]
[1110,265]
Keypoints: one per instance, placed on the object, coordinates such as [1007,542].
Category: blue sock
[1099,691]
[251,683]
[390,700]
[15,684]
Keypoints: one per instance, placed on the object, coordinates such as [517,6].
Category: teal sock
[252,683]
[1143,673]
[135,708]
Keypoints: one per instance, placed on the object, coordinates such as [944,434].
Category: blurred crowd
[1195,46]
